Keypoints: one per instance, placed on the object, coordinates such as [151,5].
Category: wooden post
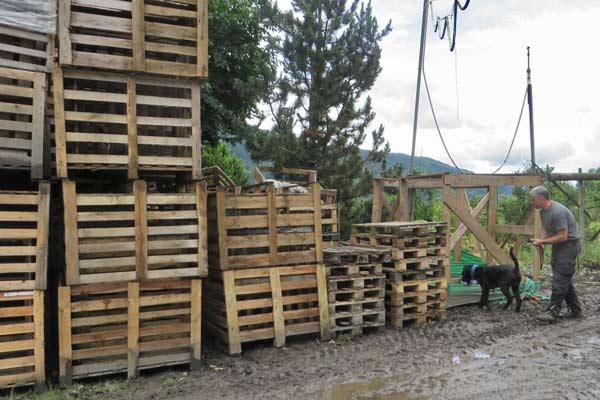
[196,132]
[233,323]
[272,220]
[462,194]
[377,200]
[316,190]
[221,228]
[60,135]
[581,212]
[202,39]
[133,329]
[278,317]
[71,237]
[138,35]
[323,303]
[491,219]
[196,324]
[202,228]
[64,336]
[64,32]
[38,338]
[141,229]
[447,218]
[132,140]
[43,228]
[404,194]
[538,262]
[37,129]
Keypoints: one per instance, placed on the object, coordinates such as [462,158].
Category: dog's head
[466,274]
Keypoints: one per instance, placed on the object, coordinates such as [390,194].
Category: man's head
[540,197]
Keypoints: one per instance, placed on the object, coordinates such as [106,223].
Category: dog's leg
[482,298]
[486,300]
[517,291]
[509,297]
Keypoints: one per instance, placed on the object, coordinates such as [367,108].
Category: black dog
[491,277]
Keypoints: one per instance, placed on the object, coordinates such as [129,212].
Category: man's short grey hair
[540,191]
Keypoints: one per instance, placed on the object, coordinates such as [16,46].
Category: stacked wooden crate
[26,42]
[416,276]
[126,108]
[266,278]
[355,288]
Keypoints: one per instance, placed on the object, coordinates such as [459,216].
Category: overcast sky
[477,90]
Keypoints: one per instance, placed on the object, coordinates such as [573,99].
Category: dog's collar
[473,268]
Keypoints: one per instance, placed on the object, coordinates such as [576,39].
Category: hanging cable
[514,135]
[454,16]
[436,123]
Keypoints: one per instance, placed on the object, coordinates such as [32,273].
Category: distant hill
[425,165]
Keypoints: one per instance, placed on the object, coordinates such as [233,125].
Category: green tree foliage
[231,164]
[329,59]
[238,63]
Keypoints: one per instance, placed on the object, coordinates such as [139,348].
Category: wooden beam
[272,222]
[196,132]
[424,183]
[491,217]
[537,260]
[132,142]
[473,225]
[457,247]
[233,322]
[580,176]
[476,213]
[318,227]
[39,337]
[64,336]
[202,39]
[196,324]
[60,135]
[447,218]
[38,124]
[64,32]
[71,237]
[133,329]
[278,317]
[43,228]
[138,39]
[481,181]
[376,212]
[323,303]
[141,228]
[201,210]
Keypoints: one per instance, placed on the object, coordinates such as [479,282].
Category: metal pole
[530,102]
[421,58]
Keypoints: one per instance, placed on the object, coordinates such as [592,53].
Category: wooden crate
[22,104]
[22,49]
[248,230]
[400,235]
[410,302]
[134,236]
[154,36]
[22,338]
[114,121]
[266,303]
[127,327]
[24,225]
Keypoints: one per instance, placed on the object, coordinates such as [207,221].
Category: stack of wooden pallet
[26,43]
[123,121]
[416,276]
[266,278]
[355,288]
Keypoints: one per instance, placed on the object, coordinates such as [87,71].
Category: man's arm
[561,236]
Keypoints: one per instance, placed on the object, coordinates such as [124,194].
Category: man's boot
[550,315]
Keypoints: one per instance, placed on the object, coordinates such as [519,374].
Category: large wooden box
[127,327]
[22,106]
[24,225]
[249,230]
[122,237]
[22,49]
[22,338]
[154,36]
[118,122]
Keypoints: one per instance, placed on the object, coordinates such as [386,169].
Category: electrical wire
[515,134]
[454,17]
[436,123]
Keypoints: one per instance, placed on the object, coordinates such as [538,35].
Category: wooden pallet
[353,269]
[127,327]
[392,275]
[422,286]
[22,105]
[345,254]
[354,324]
[134,236]
[22,338]
[418,264]
[249,230]
[354,283]
[367,305]
[24,225]
[394,299]
[266,303]
[22,49]
[154,36]
[119,122]
[401,229]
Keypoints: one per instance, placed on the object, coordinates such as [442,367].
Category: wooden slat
[133,328]
[132,145]
[64,335]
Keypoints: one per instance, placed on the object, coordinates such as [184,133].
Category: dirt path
[474,354]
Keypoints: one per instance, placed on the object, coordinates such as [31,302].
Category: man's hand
[537,242]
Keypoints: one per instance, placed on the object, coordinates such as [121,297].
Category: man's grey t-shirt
[559,217]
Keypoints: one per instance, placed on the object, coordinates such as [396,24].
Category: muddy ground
[473,354]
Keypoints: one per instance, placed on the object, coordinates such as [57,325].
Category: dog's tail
[515,260]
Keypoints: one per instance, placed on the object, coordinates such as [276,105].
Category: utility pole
[421,58]
[530,102]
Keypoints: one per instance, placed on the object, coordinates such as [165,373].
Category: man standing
[562,232]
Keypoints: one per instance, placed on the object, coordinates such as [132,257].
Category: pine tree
[329,57]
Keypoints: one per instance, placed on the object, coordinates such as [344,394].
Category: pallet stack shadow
[126,129]
[266,278]
[355,288]
[26,42]
[415,278]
